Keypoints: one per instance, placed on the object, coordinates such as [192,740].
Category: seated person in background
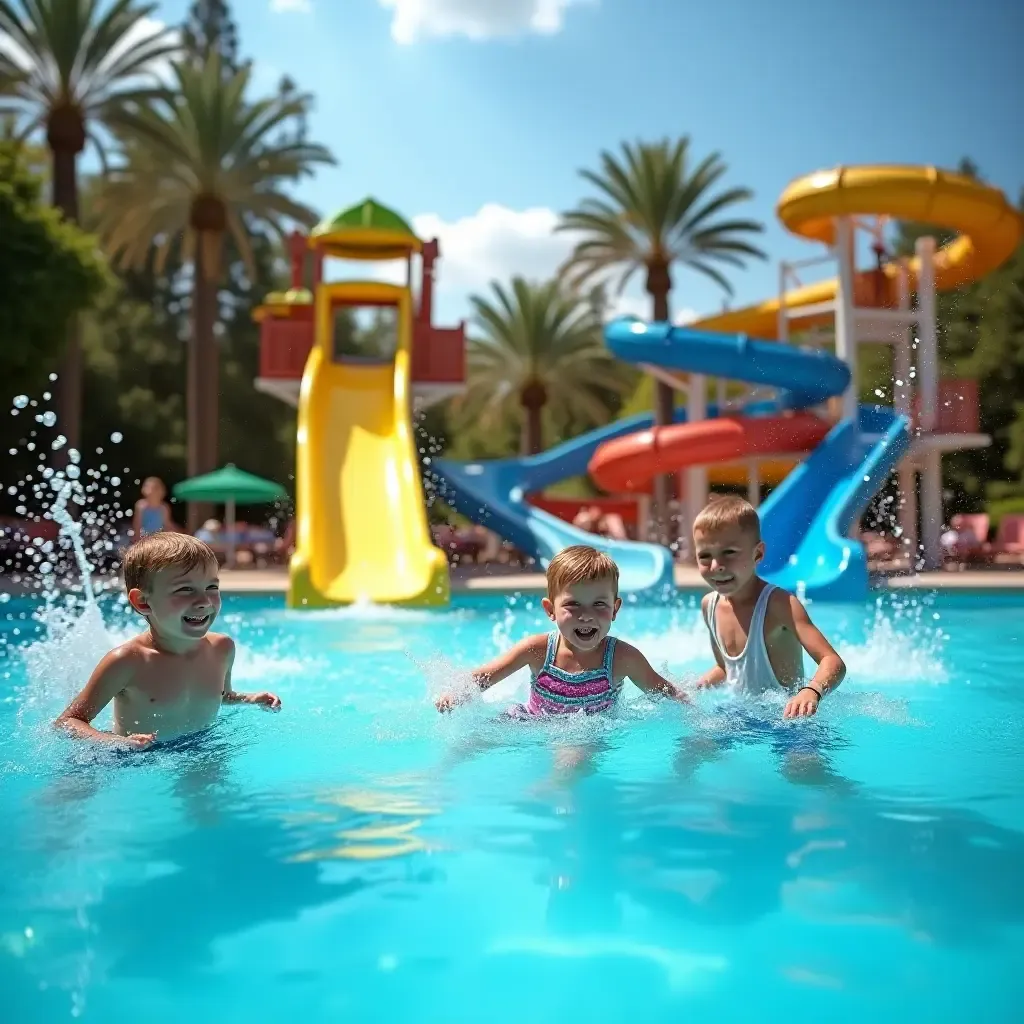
[172,679]
[209,532]
[152,513]
[593,520]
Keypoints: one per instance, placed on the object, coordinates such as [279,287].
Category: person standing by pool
[152,513]
[171,680]
[577,666]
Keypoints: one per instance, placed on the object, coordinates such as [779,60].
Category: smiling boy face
[181,603]
[727,556]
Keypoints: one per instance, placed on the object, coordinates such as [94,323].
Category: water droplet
[117,437]
[4,598]
[53,376]
[48,418]
[114,481]
[58,442]
[73,472]
[20,401]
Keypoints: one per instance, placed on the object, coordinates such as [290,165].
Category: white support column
[696,476]
[783,316]
[753,483]
[643,517]
[720,394]
[846,327]
[927,341]
[928,395]
[902,401]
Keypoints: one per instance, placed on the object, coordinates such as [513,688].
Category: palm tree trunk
[531,438]
[659,284]
[202,407]
[69,374]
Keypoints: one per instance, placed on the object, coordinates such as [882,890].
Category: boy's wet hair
[728,510]
[580,563]
[156,551]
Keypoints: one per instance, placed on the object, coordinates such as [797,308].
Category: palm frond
[205,139]
[653,206]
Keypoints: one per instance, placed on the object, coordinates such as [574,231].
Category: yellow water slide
[362,532]
[988,230]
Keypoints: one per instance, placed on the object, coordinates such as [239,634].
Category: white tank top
[750,671]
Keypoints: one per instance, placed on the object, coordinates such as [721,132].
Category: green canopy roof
[230,484]
[367,214]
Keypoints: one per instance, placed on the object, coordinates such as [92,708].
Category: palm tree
[655,210]
[203,166]
[539,350]
[71,67]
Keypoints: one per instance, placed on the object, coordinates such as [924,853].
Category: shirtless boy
[170,680]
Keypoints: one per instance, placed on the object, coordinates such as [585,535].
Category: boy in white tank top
[758,632]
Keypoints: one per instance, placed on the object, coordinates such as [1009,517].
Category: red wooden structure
[287,329]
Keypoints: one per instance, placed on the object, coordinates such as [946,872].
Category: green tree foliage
[49,270]
[71,66]
[537,355]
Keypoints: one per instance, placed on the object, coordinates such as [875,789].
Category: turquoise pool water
[360,858]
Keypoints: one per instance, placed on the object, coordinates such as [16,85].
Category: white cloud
[291,6]
[494,244]
[475,19]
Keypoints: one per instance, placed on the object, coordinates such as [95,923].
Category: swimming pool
[359,857]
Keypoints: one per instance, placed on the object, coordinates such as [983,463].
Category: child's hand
[804,703]
[447,701]
[268,700]
[139,740]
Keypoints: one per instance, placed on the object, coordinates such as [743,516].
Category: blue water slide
[805,521]
[807,376]
[493,494]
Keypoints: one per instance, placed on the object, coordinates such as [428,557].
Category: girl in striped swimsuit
[578,666]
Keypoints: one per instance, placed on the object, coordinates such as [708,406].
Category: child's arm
[136,521]
[634,666]
[831,668]
[230,696]
[108,679]
[527,652]
[714,676]
[169,524]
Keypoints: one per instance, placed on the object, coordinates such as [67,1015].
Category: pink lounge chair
[971,543]
[1009,541]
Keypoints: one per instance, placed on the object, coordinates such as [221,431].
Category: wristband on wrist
[813,689]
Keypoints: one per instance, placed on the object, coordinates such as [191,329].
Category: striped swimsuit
[554,691]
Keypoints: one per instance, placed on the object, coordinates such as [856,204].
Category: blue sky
[474,116]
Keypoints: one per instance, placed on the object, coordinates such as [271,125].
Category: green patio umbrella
[229,486]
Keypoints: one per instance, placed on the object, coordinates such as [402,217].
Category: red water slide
[630,463]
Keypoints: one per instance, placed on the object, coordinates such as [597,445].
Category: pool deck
[491,578]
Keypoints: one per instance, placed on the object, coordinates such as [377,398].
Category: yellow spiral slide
[361,530]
